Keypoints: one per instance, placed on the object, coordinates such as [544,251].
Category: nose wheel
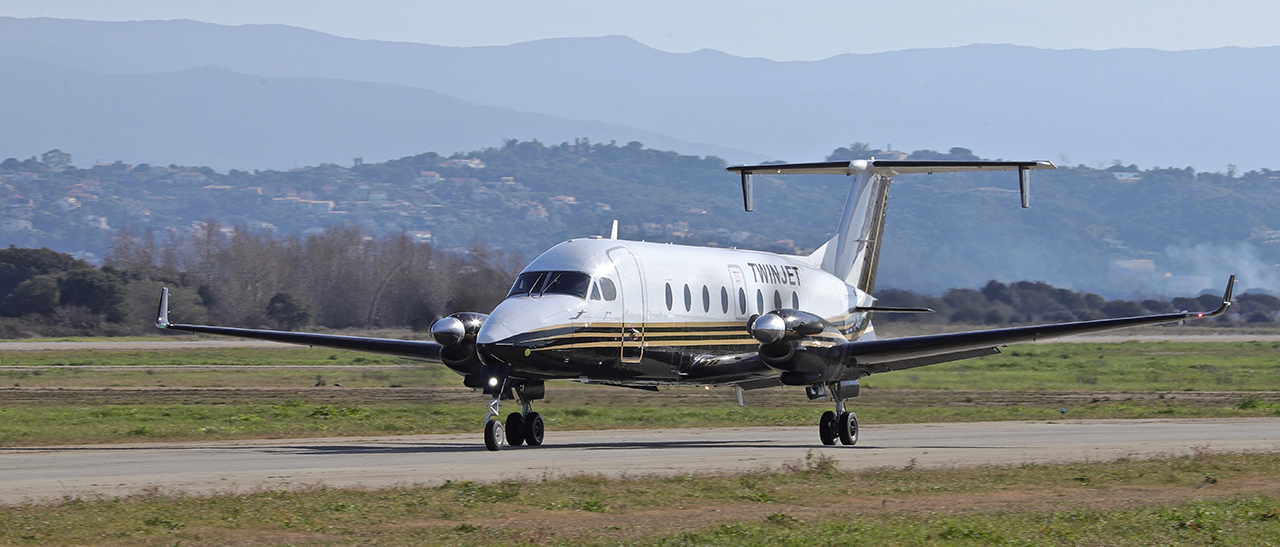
[841,424]
[525,427]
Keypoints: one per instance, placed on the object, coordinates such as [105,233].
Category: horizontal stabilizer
[888,169]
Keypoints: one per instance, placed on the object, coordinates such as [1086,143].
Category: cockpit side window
[539,283]
[608,289]
[595,291]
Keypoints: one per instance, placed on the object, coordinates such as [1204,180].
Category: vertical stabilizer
[854,253]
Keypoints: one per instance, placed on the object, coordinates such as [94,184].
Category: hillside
[1117,231]
[226,120]
[1207,108]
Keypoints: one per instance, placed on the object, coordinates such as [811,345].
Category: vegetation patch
[811,502]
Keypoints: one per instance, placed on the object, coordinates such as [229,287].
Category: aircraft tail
[854,253]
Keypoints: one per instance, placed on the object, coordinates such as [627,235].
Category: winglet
[162,315]
[1226,300]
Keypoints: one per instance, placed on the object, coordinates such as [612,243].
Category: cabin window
[724,299]
[595,291]
[540,283]
[777,300]
[795,300]
[759,302]
[688,299]
[706,299]
[742,301]
[669,299]
[608,289]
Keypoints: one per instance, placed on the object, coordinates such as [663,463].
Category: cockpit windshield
[539,283]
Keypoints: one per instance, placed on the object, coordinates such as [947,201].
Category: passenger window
[706,299]
[608,289]
[777,300]
[669,299]
[759,302]
[688,299]
[724,299]
[595,291]
[795,300]
[742,301]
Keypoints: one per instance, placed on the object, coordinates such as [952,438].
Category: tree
[38,295]
[95,290]
[287,312]
[56,158]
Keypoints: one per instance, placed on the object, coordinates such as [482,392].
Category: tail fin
[854,253]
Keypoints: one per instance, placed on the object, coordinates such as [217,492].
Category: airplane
[643,315]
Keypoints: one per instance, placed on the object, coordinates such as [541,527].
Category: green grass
[1127,366]
[1191,500]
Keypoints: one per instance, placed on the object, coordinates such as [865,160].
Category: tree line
[1032,302]
[347,279]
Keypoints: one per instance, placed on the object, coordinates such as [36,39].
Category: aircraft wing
[411,349]
[915,351]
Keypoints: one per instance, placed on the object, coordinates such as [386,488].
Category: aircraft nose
[493,332]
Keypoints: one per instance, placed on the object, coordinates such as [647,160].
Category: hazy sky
[799,29]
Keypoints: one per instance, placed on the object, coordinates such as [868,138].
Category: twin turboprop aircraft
[644,315]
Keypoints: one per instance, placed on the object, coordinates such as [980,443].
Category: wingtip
[162,315]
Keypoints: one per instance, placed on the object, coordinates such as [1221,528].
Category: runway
[205,467]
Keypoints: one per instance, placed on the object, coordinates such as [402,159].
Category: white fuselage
[668,305]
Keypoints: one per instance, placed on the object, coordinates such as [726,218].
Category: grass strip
[1221,499]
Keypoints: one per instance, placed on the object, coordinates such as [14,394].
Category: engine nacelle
[457,328]
[785,326]
[457,336]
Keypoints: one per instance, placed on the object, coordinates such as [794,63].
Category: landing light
[493,382]
[706,388]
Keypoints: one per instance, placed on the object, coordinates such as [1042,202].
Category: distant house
[190,177]
[16,225]
[474,163]
[1128,177]
[96,221]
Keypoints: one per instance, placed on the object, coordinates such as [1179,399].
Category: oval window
[706,299]
[795,300]
[759,302]
[669,300]
[777,300]
[742,301]
[608,289]
[724,299]
[688,299]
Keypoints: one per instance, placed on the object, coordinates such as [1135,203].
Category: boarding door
[738,298]
[631,293]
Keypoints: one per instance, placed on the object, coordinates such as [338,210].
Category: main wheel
[493,435]
[847,424]
[533,429]
[515,429]
[827,428]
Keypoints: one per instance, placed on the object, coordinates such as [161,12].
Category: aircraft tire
[493,435]
[847,426]
[515,429]
[533,429]
[827,428]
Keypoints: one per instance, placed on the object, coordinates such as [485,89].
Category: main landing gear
[521,427]
[841,424]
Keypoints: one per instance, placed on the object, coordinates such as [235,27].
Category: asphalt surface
[205,467]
